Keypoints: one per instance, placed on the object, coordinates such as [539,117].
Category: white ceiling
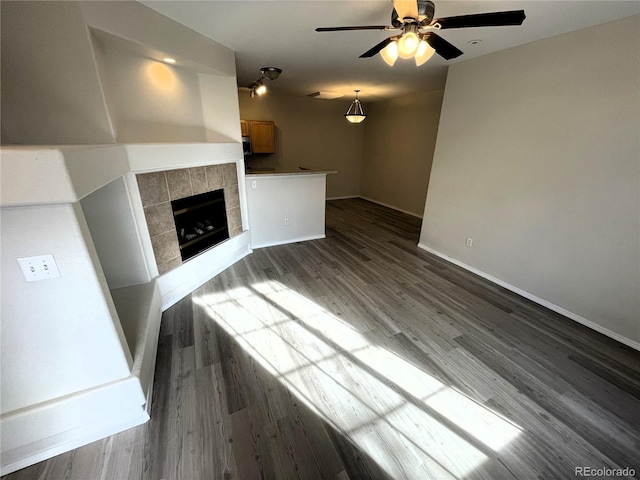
[281,34]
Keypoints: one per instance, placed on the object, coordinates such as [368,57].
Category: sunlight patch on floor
[409,422]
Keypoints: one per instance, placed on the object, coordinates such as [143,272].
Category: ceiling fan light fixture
[424,53]
[411,16]
[355,114]
[409,42]
[390,53]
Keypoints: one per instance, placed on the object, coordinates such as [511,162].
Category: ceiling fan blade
[495,19]
[406,8]
[345,29]
[373,51]
[442,47]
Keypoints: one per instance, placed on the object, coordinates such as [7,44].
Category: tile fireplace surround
[157,189]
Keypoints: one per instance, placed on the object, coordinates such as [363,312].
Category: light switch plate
[41,267]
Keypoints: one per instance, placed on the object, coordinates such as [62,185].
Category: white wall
[220,108]
[399,139]
[59,335]
[538,160]
[137,23]
[83,73]
[115,235]
[285,208]
[64,362]
[50,90]
[46,169]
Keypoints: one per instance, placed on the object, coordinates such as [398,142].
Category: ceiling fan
[415,19]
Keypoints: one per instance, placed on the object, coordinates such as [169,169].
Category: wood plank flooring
[360,356]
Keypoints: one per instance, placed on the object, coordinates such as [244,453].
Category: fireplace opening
[201,222]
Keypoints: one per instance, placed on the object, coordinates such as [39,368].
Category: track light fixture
[258,87]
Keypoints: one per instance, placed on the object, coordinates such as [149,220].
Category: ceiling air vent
[325,95]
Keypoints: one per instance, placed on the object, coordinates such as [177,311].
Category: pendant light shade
[355,114]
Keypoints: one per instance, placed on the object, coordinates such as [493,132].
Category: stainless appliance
[246,146]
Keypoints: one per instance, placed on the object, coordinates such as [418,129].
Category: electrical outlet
[286,221]
[254,184]
[42,267]
[469,242]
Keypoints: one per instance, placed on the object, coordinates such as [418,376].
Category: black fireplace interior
[201,222]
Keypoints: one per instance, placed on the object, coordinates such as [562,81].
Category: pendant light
[355,114]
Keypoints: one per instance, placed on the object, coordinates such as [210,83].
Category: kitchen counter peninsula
[281,172]
[286,206]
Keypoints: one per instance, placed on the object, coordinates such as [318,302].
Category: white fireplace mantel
[41,175]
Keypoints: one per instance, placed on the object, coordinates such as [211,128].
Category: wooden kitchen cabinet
[244,128]
[262,133]
[262,137]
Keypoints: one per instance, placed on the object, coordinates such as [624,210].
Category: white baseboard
[181,281]
[76,440]
[343,198]
[379,203]
[140,313]
[290,240]
[37,433]
[540,301]
[391,207]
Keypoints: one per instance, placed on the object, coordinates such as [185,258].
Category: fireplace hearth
[201,222]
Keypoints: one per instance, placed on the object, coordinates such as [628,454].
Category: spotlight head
[260,88]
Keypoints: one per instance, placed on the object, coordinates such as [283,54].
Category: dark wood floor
[362,356]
